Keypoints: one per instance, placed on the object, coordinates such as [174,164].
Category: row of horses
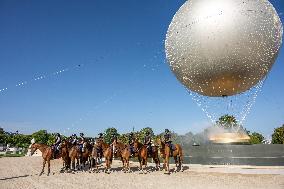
[74,159]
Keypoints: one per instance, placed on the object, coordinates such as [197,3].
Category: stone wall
[259,154]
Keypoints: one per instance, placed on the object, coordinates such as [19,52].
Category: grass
[11,155]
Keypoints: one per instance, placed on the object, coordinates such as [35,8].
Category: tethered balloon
[223,47]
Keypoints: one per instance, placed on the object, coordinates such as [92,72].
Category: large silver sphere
[223,47]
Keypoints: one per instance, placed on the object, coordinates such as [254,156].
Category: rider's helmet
[81,134]
[167,131]
[74,135]
[100,135]
[147,132]
[57,134]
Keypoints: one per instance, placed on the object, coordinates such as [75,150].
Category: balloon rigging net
[238,106]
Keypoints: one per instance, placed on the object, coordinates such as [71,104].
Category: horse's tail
[180,156]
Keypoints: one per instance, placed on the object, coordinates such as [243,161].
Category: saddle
[172,147]
[55,151]
[149,149]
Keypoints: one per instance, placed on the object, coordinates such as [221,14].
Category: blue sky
[113,70]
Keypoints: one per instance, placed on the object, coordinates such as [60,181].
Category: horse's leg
[176,162]
[168,164]
[81,162]
[181,162]
[72,159]
[167,167]
[97,166]
[43,165]
[48,166]
[90,164]
[106,162]
[164,163]
[78,163]
[128,167]
[157,162]
[145,163]
[140,163]
[107,165]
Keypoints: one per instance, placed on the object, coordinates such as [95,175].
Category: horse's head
[119,146]
[160,143]
[136,145]
[34,147]
[99,143]
[63,144]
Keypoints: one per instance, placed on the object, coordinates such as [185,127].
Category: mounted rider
[101,137]
[56,144]
[168,140]
[82,142]
[73,139]
[131,140]
[148,141]
[99,148]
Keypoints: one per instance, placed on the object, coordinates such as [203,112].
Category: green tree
[123,138]
[2,130]
[278,135]
[41,136]
[3,136]
[256,138]
[109,132]
[142,133]
[21,140]
[51,139]
[227,122]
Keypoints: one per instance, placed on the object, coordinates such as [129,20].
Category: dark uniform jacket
[167,138]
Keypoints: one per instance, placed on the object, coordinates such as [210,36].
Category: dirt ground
[22,172]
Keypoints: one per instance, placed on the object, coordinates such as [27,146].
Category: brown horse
[166,153]
[65,155]
[75,155]
[47,154]
[94,158]
[86,155]
[141,152]
[123,151]
[107,153]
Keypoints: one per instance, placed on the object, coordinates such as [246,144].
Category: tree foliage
[278,135]
[227,122]
[256,138]
[141,135]
[109,132]
[41,136]
[123,138]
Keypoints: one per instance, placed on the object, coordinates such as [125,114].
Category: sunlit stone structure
[230,138]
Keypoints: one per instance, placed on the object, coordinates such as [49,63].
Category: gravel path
[22,172]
